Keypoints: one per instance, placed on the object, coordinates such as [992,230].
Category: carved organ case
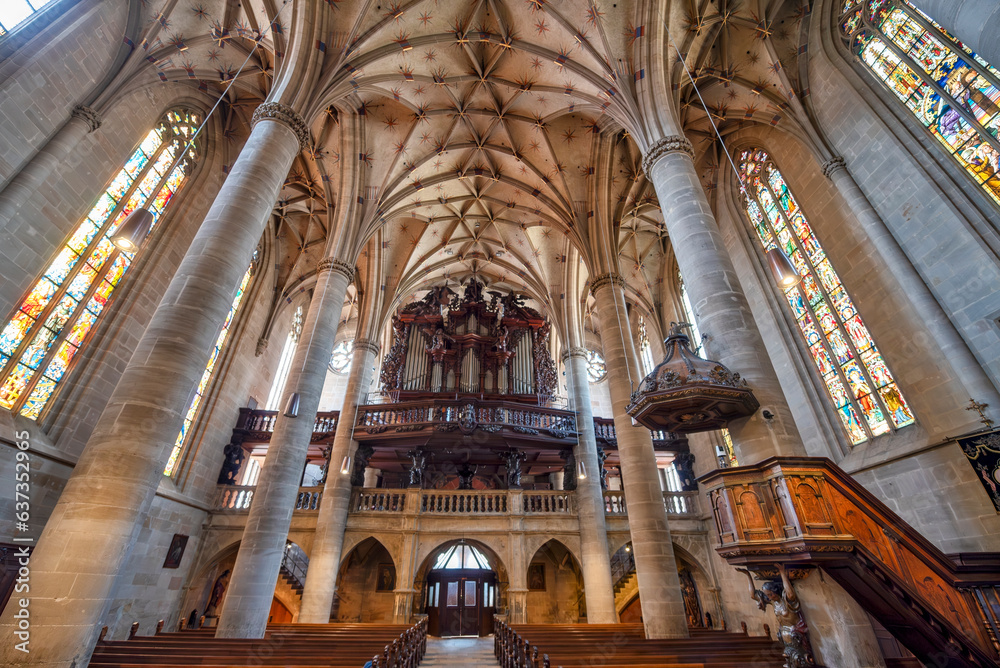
[483,342]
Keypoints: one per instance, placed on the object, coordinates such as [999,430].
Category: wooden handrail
[807,511]
[406,651]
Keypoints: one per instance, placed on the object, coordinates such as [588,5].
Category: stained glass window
[864,392]
[206,377]
[597,369]
[15,12]
[726,453]
[343,355]
[953,92]
[285,362]
[45,333]
[645,349]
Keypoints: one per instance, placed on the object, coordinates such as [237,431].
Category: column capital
[261,347]
[366,344]
[576,351]
[606,279]
[88,115]
[663,146]
[832,165]
[282,113]
[333,264]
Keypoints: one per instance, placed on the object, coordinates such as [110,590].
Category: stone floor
[466,652]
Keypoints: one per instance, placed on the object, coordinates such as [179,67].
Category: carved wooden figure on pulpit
[792,630]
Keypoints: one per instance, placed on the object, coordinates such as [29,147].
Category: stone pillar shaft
[255,574]
[718,299]
[655,566]
[100,513]
[36,172]
[951,344]
[596,564]
[975,22]
[328,544]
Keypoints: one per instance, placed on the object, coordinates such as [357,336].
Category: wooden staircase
[804,511]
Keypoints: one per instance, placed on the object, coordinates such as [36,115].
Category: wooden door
[458,602]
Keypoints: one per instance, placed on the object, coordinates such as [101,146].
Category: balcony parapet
[678,504]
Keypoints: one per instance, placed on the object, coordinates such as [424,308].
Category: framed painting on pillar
[176,551]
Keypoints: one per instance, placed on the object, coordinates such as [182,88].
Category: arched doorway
[366,584]
[555,586]
[461,595]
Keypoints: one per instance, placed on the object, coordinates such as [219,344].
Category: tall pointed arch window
[864,392]
[953,92]
[285,362]
[206,376]
[41,338]
[689,315]
[645,348]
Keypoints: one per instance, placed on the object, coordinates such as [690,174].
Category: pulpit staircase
[807,512]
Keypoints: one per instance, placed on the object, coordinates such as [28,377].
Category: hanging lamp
[686,393]
[782,268]
[130,234]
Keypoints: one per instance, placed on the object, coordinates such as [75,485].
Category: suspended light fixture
[581,470]
[345,466]
[292,406]
[782,268]
[129,235]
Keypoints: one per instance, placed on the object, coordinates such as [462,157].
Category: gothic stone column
[947,338]
[324,561]
[655,566]
[104,505]
[718,299]
[975,22]
[82,121]
[589,498]
[248,600]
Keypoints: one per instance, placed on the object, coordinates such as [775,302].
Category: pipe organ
[473,344]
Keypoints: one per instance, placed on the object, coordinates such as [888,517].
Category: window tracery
[864,392]
[52,324]
[597,368]
[954,93]
[343,355]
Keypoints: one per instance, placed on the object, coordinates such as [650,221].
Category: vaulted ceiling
[485,137]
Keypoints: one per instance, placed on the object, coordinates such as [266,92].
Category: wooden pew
[298,645]
[625,646]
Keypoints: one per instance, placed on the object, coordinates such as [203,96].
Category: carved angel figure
[792,630]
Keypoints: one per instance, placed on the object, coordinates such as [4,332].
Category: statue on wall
[418,464]
[692,606]
[792,630]
[218,592]
[545,368]
[395,359]
[235,455]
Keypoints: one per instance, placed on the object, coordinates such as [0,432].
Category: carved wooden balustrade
[464,415]
[663,441]
[257,425]
[806,511]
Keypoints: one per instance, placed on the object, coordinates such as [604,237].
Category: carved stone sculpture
[792,630]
